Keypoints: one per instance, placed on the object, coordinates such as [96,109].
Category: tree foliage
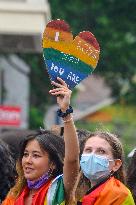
[113,24]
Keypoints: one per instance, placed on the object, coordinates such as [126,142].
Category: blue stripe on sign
[70,76]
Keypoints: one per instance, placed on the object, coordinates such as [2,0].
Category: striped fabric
[55,195]
[72,60]
[112,192]
[50,194]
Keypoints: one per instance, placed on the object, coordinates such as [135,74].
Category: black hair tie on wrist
[64,114]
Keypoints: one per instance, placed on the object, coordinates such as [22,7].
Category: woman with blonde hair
[102,164]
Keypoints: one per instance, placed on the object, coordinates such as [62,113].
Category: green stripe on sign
[67,60]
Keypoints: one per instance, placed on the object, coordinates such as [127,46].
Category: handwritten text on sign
[71,76]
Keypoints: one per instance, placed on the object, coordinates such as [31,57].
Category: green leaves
[113,23]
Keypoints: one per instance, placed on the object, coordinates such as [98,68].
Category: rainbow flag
[112,192]
[70,59]
[56,195]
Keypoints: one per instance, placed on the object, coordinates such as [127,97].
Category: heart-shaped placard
[70,59]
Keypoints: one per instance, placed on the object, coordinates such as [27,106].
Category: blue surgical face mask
[94,166]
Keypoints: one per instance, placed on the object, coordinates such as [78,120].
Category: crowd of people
[67,165]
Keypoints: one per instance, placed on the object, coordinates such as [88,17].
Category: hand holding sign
[63,94]
[71,60]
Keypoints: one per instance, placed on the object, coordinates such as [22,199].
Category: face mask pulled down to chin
[95,167]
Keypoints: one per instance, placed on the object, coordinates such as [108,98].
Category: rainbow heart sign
[70,59]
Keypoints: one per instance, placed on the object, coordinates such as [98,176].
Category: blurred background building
[21,25]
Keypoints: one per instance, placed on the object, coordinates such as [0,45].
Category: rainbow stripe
[72,69]
[55,195]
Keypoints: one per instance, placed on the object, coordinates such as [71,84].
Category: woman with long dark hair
[48,171]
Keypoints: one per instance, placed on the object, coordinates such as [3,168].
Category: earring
[50,172]
[111,173]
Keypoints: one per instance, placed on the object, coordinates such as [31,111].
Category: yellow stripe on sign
[70,49]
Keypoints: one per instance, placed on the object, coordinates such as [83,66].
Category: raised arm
[71,160]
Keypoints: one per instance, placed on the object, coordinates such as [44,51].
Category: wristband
[64,114]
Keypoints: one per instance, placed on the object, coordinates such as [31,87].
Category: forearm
[71,160]
[71,140]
